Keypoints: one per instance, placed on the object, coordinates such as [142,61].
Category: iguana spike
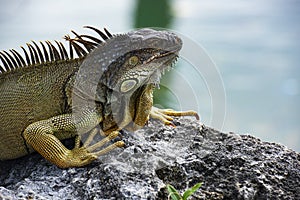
[26,56]
[79,50]
[2,69]
[64,50]
[33,61]
[51,53]
[17,59]
[14,63]
[39,51]
[45,52]
[92,38]
[62,55]
[68,38]
[108,33]
[98,31]
[36,56]
[55,51]
[23,63]
[88,45]
[10,66]
[6,67]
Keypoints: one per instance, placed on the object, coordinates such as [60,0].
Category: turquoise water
[256,48]
[254,44]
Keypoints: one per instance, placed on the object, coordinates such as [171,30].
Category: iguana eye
[133,60]
[128,85]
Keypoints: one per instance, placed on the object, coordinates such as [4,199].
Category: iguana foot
[102,142]
[164,115]
[76,157]
[81,156]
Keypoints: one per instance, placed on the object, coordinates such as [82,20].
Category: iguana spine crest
[81,44]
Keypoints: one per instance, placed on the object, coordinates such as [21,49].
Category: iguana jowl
[49,95]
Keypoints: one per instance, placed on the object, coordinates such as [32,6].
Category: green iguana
[110,78]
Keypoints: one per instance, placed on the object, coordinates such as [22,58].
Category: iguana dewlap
[49,95]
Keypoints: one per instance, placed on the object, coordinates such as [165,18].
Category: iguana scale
[116,74]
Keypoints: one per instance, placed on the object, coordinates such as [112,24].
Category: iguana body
[38,92]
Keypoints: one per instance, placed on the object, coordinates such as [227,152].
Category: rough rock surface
[231,166]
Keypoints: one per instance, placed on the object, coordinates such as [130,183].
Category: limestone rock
[231,166]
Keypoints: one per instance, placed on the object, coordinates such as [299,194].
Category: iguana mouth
[155,78]
[161,55]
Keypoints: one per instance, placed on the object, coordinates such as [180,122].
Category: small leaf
[191,191]
[173,193]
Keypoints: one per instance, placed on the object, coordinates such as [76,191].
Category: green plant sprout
[174,194]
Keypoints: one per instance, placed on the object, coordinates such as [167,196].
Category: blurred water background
[254,44]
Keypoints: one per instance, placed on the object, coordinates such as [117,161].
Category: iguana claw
[164,115]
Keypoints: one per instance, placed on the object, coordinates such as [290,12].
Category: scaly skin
[48,98]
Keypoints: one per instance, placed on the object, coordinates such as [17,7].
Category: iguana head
[122,73]
[144,59]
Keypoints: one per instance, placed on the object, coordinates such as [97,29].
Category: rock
[231,166]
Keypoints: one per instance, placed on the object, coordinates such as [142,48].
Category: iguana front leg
[164,115]
[41,136]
